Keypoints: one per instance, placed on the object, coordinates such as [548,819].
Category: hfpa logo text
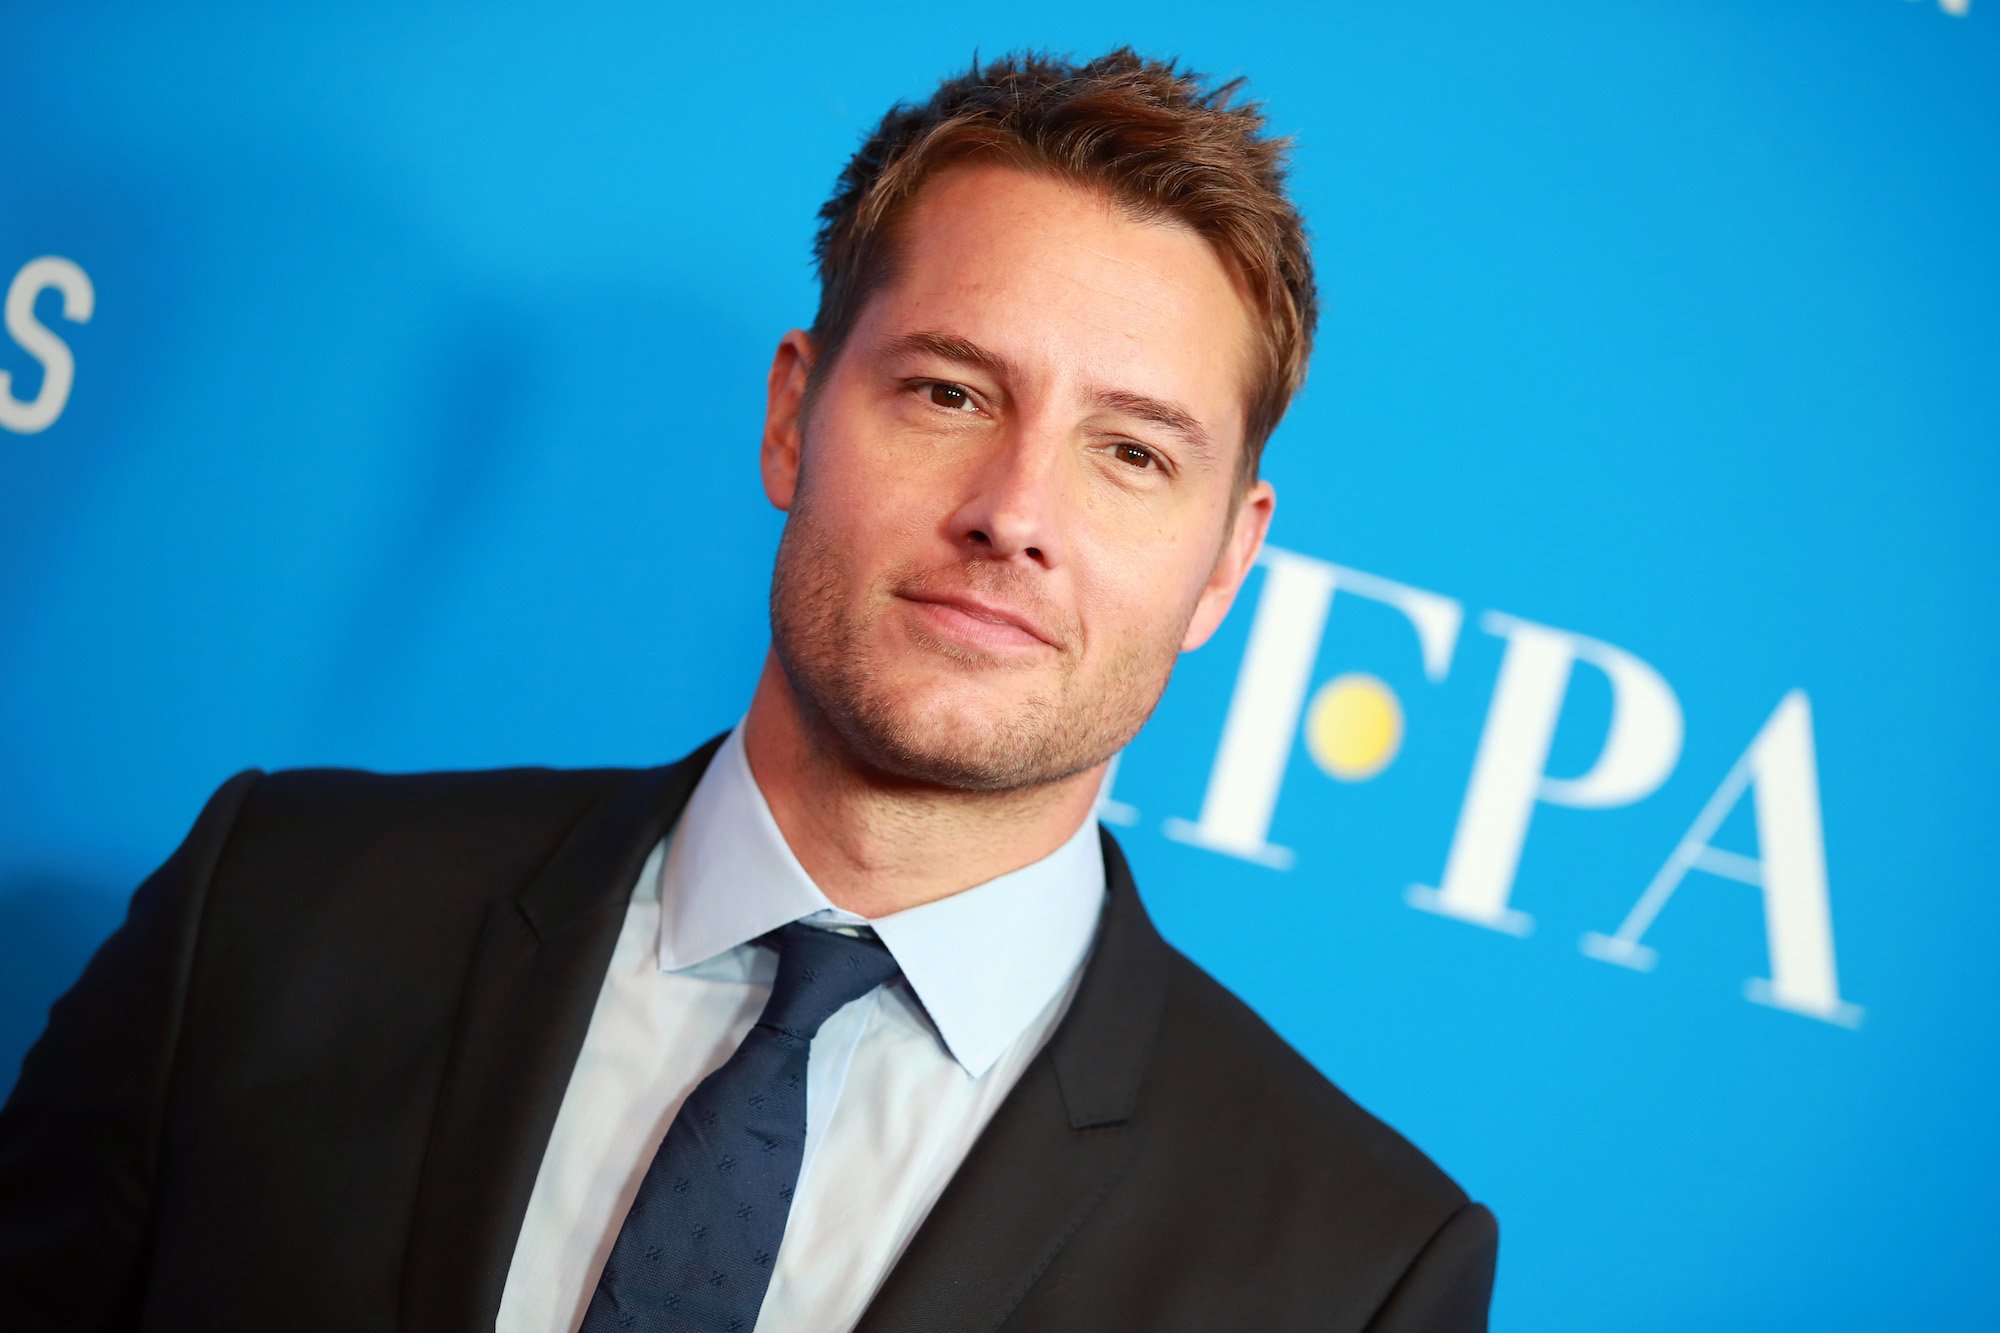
[1353,725]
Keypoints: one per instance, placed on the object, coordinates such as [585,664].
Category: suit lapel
[1056,1147]
[529,993]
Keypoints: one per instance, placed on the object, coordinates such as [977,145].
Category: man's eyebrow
[950,347]
[1174,418]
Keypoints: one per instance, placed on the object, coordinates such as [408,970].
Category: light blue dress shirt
[899,1083]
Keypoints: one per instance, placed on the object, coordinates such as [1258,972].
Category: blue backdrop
[1596,781]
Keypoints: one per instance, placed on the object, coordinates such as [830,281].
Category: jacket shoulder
[323,793]
[1305,1210]
[1303,1137]
[320,806]
[307,839]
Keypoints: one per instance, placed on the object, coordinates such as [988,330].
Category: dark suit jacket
[307,1086]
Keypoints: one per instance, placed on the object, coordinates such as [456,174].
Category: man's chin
[988,745]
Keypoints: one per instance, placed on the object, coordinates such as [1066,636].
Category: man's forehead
[1038,269]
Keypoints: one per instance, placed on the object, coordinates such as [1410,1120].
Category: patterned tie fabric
[696,1251]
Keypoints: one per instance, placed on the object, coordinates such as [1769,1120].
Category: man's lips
[995,624]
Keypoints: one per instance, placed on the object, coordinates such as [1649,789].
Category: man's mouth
[986,622]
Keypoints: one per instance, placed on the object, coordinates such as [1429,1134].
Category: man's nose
[1013,503]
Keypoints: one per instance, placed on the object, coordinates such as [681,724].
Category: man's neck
[875,845]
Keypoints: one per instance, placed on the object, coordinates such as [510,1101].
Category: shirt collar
[984,962]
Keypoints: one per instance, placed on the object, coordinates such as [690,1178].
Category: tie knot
[818,972]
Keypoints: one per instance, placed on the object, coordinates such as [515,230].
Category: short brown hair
[1155,138]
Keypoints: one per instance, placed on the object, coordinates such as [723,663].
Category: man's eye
[949,395]
[1137,455]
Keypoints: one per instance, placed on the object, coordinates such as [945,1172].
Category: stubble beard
[942,737]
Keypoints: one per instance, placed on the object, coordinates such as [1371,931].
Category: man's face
[1014,502]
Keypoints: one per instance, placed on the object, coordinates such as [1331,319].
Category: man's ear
[1232,564]
[784,416]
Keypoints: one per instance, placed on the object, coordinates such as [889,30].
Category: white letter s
[58,365]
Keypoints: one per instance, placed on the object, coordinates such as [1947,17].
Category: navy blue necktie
[696,1251]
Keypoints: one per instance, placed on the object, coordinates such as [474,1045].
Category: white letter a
[1780,769]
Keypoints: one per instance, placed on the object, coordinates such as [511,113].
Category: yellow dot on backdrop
[1354,726]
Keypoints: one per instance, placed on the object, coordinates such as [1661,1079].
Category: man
[851,1019]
